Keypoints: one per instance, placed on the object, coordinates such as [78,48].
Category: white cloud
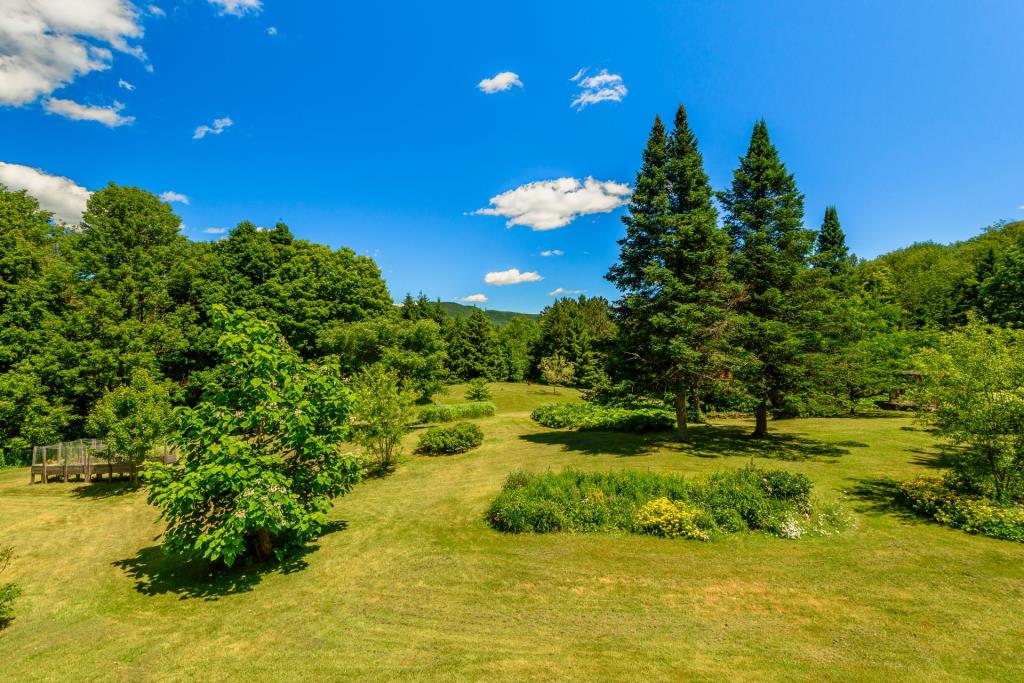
[47,44]
[237,8]
[552,252]
[506,80]
[550,204]
[215,231]
[601,87]
[61,196]
[172,196]
[121,83]
[512,276]
[108,116]
[474,299]
[272,31]
[562,291]
[218,127]
[155,11]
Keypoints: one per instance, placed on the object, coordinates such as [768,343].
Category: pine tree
[764,214]
[831,253]
[675,301]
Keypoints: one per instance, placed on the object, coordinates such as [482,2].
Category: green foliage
[672,273]
[593,417]
[721,503]
[473,348]
[132,419]
[8,591]
[412,348]
[477,390]
[580,331]
[456,411]
[262,451]
[557,371]
[458,438]
[940,499]
[381,412]
[1001,293]
[518,341]
[764,217]
[830,251]
[972,392]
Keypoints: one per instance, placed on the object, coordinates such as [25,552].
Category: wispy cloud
[550,204]
[237,8]
[506,80]
[215,231]
[108,116]
[61,196]
[561,291]
[552,252]
[218,127]
[172,196]
[154,10]
[272,31]
[601,87]
[474,299]
[512,276]
[121,83]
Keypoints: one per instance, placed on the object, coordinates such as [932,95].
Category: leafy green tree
[582,331]
[1001,294]
[262,452]
[478,390]
[673,273]
[473,348]
[132,419]
[517,343]
[8,591]
[413,349]
[973,394]
[770,250]
[556,371]
[381,413]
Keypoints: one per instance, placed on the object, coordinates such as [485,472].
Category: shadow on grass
[705,442]
[879,497]
[104,489]
[157,573]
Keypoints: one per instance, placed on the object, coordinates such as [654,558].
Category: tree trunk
[682,429]
[264,546]
[761,421]
[698,411]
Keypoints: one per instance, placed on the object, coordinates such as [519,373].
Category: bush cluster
[458,438]
[646,502]
[594,417]
[8,591]
[456,411]
[939,499]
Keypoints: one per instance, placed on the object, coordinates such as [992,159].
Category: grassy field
[412,583]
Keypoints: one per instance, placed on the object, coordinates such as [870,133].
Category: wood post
[32,469]
[46,475]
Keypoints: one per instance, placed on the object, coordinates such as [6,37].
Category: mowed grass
[411,582]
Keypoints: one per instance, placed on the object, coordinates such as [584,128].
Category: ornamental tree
[132,419]
[262,458]
[382,411]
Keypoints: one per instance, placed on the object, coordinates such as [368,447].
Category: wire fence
[90,460]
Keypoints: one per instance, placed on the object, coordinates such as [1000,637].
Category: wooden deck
[87,460]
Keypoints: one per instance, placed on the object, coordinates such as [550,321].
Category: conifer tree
[764,214]
[673,272]
[830,252]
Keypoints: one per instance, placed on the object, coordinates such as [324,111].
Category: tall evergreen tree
[764,214]
[473,348]
[830,251]
[673,272]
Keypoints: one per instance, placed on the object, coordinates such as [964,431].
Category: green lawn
[412,583]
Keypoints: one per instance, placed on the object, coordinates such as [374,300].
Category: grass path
[412,583]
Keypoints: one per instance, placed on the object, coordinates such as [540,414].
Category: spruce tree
[673,272]
[764,214]
[831,253]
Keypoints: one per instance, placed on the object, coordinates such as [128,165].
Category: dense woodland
[728,303]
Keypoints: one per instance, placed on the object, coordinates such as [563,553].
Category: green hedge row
[591,416]
[456,411]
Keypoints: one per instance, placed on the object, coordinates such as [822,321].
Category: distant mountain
[457,310]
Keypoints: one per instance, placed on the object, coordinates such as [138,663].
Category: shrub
[456,411]
[663,517]
[593,417]
[478,390]
[939,499]
[458,438]
[646,502]
[8,591]
[380,412]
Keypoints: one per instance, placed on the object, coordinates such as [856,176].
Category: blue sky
[363,124]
